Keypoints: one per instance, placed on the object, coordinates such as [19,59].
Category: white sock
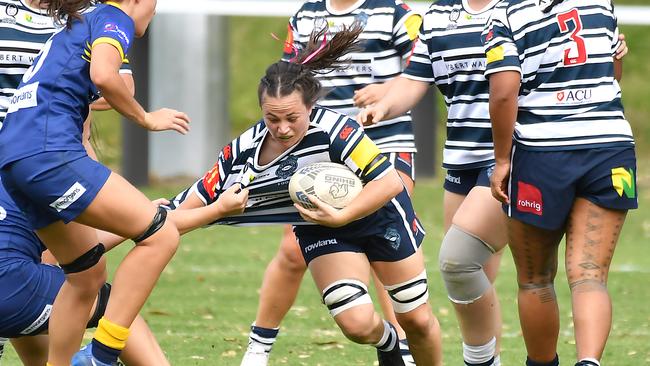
[476,355]
[263,338]
[388,339]
[592,360]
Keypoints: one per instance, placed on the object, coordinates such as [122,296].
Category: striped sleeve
[350,146]
[211,185]
[406,29]
[500,49]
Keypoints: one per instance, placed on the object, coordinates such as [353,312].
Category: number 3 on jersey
[578,55]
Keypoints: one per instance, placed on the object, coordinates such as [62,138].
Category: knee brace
[157,222]
[344,294]
[408,295]
[102,300]
[461,263]
[85,261]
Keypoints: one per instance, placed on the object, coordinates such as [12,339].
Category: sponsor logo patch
[3,213]
[495,54]
[574,96]
[320,243]
[451,179]
[345,132]
[25,97]
[69,197]
[114,28]
[529,199]
[392,235]
[624,182]
[45,316]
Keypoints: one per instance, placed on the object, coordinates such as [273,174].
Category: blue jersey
[450,54]
[17,240]
[569,98]
[331,137]
[52,101]
[390,28]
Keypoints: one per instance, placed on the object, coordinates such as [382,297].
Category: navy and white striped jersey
[331,136]
[569,98]
[23,32]
[450,54]
[390,27]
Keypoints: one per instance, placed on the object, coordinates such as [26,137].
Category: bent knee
[165,240]
[91,280]
[356,324]
[290,257]
[419,322]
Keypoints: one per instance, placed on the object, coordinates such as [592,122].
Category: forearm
[402,95]
[375,195]
[504,93]
[115,92]
[190,219]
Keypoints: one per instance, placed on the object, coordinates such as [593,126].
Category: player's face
[287,118]
[142,15]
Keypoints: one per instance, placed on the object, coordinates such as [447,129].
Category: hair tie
[319,49]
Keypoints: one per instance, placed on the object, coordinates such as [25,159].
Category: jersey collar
[331,10]
[487,7]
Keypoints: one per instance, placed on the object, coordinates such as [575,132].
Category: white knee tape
[410,294]
[344,294]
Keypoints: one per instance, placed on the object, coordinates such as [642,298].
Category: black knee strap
[157,222]
[85,261]
[102,300]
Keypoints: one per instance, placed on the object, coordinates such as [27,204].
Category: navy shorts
[391,234]
[27,292]
[462,181]
[52,186]
[544,185]
[404,162]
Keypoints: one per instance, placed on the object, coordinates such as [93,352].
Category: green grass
[207,298]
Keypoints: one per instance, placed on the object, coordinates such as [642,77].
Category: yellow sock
[111,335]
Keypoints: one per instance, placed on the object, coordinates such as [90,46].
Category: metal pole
[135,139]
[425,122]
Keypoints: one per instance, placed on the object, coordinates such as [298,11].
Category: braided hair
[319,57]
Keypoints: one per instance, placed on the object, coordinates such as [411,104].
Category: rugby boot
[407,357]
[85,358]
[392,357]
[255,355]
[586,363]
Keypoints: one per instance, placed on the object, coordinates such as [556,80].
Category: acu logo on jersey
[287,167]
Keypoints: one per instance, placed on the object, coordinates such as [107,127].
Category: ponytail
[321,56]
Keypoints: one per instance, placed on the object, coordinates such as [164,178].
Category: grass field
[207,297]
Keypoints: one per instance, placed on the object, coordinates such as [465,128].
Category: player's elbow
[102,78]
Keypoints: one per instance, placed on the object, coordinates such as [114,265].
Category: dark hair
[67,11]
[283,78]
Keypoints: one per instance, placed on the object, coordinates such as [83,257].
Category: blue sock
[104,353]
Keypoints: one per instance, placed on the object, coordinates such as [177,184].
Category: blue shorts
[462,181]
[403,162]
[544,185]
[391,234]
[54,185]
[27,292]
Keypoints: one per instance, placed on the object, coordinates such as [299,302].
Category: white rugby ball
[335,184]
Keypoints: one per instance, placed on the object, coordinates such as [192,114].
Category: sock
[109,341]
[480,355]
[388,339]
[555,362]
[497,360]
[263,337]
[589,362]
[2,345]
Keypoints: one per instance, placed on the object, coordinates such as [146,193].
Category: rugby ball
[334,184]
